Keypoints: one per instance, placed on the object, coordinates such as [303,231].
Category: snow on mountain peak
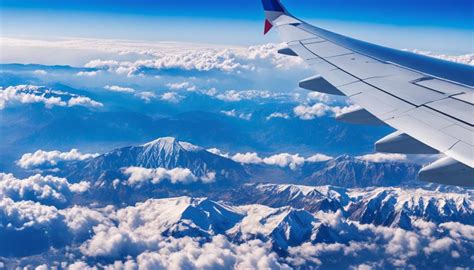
[171,144]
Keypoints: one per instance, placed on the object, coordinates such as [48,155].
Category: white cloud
[46,189]
[26,214]
[282,160]
[183,85]
[28,94]
[318,158]
[116,88]
[383,157]
[218,152]
[247,158]
[319,97]
[51,158]
[139,175]
[285,160]
[467,59]
[310,112]
[40,72]
[234,95]
[172,97]
[146,96]
[233,113]
[87,73]
[83,101]
[278,115]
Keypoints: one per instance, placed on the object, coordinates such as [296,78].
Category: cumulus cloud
[83,101]
[28,94]
[229,60]
[146,96]
[383,157]
[282,160]
[467,59]
[234,95]
[87,73]
[51,158]
[40,72]
[172,97]
[310,112]
[278,115]
[45,189]
[233,113]
[180,86]
[115,88]
[139,175]
[285,160]
[247,158]
[218,152]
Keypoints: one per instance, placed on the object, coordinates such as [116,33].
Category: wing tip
[273,5]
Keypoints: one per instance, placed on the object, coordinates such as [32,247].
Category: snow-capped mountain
[166,153]
[393,207]
[350,172]
[399,207]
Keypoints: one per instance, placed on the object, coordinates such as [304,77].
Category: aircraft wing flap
[457,109]
[326,49]
[371,98]
[401,86]
[361,66]
[444,86]
[462,152]
[460,132]
[423,132]
[466,97]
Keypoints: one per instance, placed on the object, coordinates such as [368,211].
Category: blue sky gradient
[239,22]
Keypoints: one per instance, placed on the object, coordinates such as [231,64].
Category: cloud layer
[42,158]
[139,175]
[29,94]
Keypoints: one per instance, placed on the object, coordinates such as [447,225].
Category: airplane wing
[429,101]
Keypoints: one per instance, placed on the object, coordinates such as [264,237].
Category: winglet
[273,9]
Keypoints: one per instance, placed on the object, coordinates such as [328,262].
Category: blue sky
[438,25]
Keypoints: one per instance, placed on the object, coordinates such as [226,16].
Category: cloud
[84,101]
[467,59]
[172,97]
[40,72]
[229,60]
[282,160]
[146,96]
[278,115]
[247,158]
[233,113]
[139,175]
[234,95]
[218,152]
[310,112]
[285,160]
[383,157]
[87,73]
[318,158]
[319,97]
[120,89]
[51,158]
[183,85]
[28,94]
[48,189]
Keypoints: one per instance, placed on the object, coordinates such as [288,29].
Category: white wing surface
[429,101]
